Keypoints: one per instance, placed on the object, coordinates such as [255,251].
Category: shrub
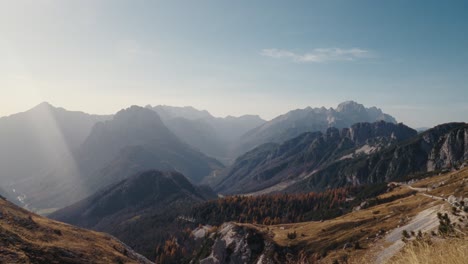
[405,234]
[292,235]
[445,225]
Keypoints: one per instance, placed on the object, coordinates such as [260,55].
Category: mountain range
[134,140]
[277,166]
[440,148]
[309,119]
[72,154]
[214,136]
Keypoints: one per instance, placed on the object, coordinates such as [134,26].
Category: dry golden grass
[400,190]
[452,183]
[362,226]
[29,238]
[365,225]
[449,251]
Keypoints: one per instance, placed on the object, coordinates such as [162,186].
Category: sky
[409,58]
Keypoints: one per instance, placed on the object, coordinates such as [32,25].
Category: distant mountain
[31,142]
[213,136]
[134,140]
[5,194]
[139,210]
[440,148]
[28,238]
[276,166]
[201,135]
[167,112]
[309,119]
[422,129]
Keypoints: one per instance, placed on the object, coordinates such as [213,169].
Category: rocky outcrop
[239,244]
[360,133]
[450,149]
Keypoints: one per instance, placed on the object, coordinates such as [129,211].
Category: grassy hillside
[28,238]
[372,233]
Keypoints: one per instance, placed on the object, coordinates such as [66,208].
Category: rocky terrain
[372,233]
[274,164]
[440,148]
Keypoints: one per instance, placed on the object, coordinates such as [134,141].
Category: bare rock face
[449,150]
[362,132]
[239,244]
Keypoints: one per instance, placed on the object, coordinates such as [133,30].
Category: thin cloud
[319,55]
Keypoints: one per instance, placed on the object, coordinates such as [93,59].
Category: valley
[233,132]
[338,195]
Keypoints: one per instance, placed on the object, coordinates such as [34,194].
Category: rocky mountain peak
[350,106]
[361,132]
[136,113]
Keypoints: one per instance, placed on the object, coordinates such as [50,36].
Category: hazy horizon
[263,58]
[219,116]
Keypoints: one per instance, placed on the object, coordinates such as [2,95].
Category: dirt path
[425,221]
[422,192]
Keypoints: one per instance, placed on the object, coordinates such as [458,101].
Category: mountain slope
[309,119]
[230,127]
[200,134]
[31,142]
[134,140]
[371,233]
[150,189]
[442,147]
[137,127]
[214,136]
[29,238]
[5,194]
[141,210]
[272,164]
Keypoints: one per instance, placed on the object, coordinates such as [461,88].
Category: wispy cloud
[319,55]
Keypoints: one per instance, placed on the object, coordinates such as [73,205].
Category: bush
[445,225]
[292,235]
[405,234]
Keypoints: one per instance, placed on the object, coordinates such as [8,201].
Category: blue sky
[409,58]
